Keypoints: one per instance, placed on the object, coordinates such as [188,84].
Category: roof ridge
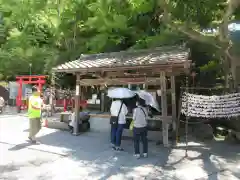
[175,47]
[153,56]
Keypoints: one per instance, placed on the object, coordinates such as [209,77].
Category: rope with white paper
[194,105]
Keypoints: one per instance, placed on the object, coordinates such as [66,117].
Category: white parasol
[149,99]
[120,93]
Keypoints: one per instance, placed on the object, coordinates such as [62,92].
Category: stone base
[201,131]
[102,125]
[54,124]
[237,135]
[233,137]
[152,135]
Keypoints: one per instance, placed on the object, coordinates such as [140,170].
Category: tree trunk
[233,72]
[235,123]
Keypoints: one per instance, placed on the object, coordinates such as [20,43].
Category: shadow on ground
[91,154]
[93,151]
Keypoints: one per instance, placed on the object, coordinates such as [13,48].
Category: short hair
[141,102]
[34,89]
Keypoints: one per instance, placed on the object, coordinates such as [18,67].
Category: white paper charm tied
[211,106]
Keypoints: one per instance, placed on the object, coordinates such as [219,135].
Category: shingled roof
[146,57]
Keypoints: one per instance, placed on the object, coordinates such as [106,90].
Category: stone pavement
[88,156]
[12,110]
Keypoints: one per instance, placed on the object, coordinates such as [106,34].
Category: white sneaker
[137,156]
[145,155]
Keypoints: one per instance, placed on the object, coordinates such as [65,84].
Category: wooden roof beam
[119,81]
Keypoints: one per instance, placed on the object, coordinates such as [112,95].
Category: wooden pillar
[164,109]
[102,102]
[174,108]
[52,94]
[77,105]
[82,93]
[145,86]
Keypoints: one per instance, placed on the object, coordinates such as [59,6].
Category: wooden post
[164,109]
[52,94]
[102,102]
[82,93]
[77,105]
[174,109]
[178,118]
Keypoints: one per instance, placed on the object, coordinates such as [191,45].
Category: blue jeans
[140,134]
[116,134]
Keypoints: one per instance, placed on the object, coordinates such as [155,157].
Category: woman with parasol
[118,114]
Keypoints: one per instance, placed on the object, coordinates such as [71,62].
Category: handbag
[114,119]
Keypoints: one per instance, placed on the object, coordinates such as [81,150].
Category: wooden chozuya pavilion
[148,67]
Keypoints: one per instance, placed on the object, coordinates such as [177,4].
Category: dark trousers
[140,134]
[116,134]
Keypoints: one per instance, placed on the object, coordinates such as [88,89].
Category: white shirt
[115,107]
[2,102]
[140,117]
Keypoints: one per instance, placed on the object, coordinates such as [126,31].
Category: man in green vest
[34,113]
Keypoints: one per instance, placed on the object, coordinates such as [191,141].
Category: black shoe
[119,149]
[32,141]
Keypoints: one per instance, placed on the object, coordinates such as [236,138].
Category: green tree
[194,17]
[49,32]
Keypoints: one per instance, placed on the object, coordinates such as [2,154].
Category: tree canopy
[48,32]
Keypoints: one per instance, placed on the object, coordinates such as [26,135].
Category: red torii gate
[30,79]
